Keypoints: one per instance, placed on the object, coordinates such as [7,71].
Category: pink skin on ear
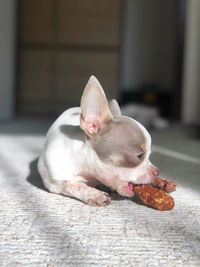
[94,107]
[92,126]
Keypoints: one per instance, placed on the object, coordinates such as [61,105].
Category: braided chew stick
[154,197]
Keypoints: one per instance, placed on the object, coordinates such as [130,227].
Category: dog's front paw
[101,199]
[165,184]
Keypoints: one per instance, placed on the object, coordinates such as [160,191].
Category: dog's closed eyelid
[140,155]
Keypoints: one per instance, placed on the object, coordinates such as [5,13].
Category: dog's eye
[140,156]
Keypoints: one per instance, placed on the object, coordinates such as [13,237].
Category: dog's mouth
[127,190]
[130,186]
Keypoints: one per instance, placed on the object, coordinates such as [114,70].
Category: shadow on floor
[115,196]
[34,176]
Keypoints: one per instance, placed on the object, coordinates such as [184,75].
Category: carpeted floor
[38,228]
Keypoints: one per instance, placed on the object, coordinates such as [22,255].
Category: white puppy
[94,144]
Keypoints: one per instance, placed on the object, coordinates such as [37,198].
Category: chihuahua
[94,144]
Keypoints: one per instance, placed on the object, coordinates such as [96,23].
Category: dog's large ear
[94,107]
[114,108]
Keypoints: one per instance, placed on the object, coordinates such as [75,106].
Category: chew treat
[154,197]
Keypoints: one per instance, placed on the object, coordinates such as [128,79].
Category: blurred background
[144,52]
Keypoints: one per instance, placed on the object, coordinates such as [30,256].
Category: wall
[61,43]
[148,52]
[7,58]
[191,80]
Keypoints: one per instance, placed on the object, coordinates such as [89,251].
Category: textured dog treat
[154,197]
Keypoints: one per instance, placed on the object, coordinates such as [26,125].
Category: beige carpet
[42,229]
